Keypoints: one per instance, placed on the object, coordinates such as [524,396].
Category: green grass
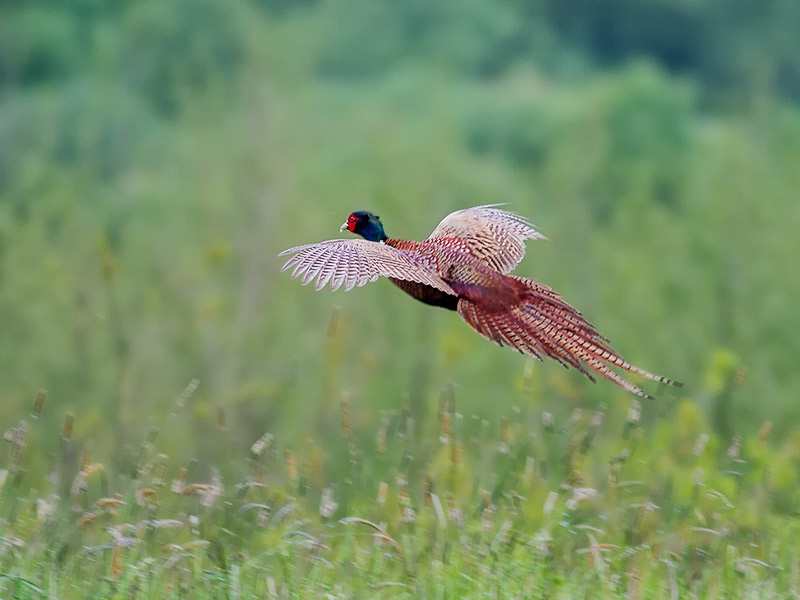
[636,502]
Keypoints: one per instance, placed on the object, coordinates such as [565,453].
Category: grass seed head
[38,404]
[550,503]
[327,505]
[110,504]
[380,440]
[548,422]
[579,496]
[700,446]
[261,444]
[383,490]
[735,448]
[634,412]
[66,430]
[764,432]
[291,465]
[86,519]
[184,396]
[179,482]
[146,497]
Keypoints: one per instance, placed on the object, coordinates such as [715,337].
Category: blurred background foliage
[156,156]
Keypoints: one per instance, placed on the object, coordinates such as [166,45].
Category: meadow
[642,503]
[183,420]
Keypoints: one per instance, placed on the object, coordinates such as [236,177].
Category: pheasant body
[464,266]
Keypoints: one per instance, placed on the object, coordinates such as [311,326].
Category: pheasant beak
[344,227]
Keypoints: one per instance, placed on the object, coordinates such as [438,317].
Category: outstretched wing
[493,236]
[352,263]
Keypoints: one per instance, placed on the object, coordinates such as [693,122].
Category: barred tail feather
[600,351]
[612,375]
[541,323]
[514,328]
[503,332]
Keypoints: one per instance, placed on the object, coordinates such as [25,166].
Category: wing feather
[495,237]
[351,263]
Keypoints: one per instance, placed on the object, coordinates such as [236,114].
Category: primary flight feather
[464,266]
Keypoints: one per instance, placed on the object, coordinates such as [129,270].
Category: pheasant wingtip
[289,263]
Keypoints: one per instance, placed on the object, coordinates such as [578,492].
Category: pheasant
[464,265]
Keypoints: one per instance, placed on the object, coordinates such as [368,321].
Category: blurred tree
[171,51]
[37,45]
[616,30]
[737,47]
[365,38]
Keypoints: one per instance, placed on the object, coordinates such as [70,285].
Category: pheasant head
[365,224]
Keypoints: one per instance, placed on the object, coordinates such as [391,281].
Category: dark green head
[365,224]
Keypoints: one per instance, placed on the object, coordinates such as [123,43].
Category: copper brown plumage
[464,266]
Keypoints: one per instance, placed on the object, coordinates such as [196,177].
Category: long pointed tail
[543,324]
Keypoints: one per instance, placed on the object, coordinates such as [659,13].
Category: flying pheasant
[464,266]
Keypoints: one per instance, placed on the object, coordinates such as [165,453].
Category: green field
[183,420]
[602,505]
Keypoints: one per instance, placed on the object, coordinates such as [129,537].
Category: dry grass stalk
[222,421]
[380,534]
[345,414]
[738,379]
[427,491]
[116,562]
